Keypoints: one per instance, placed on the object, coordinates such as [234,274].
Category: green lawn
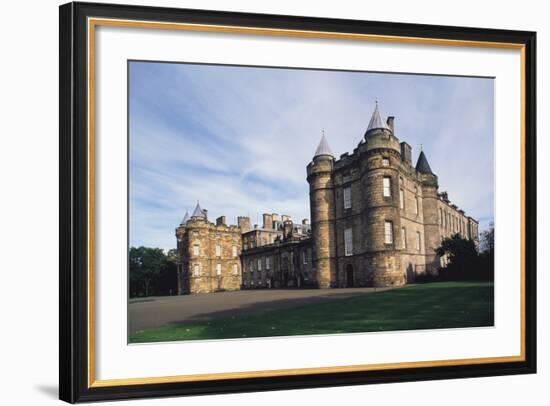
[426,306]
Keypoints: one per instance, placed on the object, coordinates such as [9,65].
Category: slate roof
[198,212]
[323,148]
[422,164]
[185,218]
[376,121]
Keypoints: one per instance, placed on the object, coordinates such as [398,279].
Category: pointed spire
[185,218]
[198,212]
[323,148]
[376,121]
[422,164]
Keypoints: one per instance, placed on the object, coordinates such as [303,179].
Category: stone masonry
[376,220]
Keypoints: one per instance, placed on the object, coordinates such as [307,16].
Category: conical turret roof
[323,148]
[376,121]
[422,164]
[198,212]
[185,218]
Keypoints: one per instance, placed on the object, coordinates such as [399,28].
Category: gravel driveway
[160,311]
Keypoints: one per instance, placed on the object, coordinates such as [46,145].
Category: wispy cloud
[238,139]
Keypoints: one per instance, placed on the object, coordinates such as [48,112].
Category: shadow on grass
[428,306]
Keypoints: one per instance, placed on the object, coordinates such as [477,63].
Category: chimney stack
[406,153]
[205,214]
[243,223]
[268,221]
[390,122]
[220,221]
[287,230]
[285,218]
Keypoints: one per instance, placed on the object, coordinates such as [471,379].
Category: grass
[426,306]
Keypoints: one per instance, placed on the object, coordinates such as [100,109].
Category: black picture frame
[74,199]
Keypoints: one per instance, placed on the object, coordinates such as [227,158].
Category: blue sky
[239,138]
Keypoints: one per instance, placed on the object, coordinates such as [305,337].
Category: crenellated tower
[321,196]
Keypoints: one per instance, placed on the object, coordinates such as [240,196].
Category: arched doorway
[349,276]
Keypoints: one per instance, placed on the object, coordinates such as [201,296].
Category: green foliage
[464,260]
[152,272]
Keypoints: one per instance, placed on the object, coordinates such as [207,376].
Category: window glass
[348,241]
[388,232]
[386,183]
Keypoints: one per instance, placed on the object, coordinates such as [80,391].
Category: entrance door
[349,276]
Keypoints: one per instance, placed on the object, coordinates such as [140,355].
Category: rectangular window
[385,162]
[259,264]
[401,199]
[403,237]
[218,250]
[196,270]
[196,250]
[388,232]
[386,184]
[347,197]
[304,257]
[418,240]
[268,263]
[218,269]
[234,251]
[348,241]
[416,205]
[441,217]
[235,269]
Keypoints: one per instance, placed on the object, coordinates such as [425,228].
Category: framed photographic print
[257,202]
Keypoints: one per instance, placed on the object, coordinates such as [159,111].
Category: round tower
[321,195]
[380,163]
[182,260]
[430,198]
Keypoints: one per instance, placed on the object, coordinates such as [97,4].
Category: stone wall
[210,256]
[279,265]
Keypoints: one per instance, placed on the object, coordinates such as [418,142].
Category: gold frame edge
[91,25]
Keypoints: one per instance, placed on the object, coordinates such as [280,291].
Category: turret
[185,218]
[381,216]
[379,133]
[198,213]
[321,194]
[430,198]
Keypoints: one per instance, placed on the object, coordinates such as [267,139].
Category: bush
[465,262]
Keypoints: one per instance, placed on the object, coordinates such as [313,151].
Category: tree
[167,280]
[462,256]
[487,255]
[145,267]
[488,239]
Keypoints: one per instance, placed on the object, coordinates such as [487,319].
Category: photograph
[278,201]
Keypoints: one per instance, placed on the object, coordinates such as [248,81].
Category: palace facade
[376,220]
